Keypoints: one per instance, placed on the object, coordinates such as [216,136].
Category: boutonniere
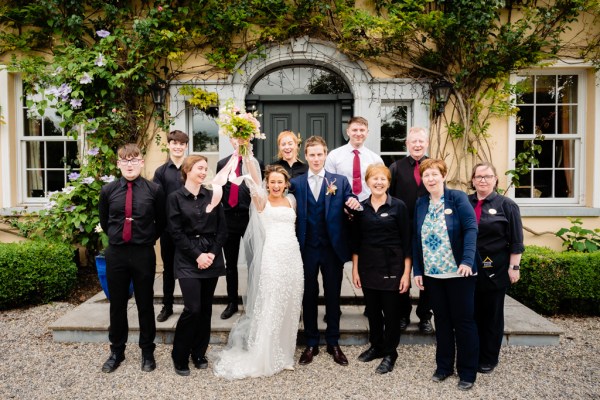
[331,188]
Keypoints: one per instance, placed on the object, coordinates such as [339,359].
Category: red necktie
[478,208]
[417,173]
[234,189]
[356,178]
[128,212]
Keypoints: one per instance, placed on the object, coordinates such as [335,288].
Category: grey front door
[319,115]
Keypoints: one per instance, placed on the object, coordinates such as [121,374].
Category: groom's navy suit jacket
[335,217]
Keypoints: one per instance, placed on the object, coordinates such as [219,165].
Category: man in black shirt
[132,213]
[168,176]
[406,185]
[236,203]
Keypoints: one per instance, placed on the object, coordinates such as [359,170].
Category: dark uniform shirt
[298,168]
[500,234]
[403,185]
[196,231]
[382,241]
[243,191]
[148,212]
[168,176]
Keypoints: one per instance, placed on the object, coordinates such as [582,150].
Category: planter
[101,268]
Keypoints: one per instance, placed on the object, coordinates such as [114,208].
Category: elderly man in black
[132,213]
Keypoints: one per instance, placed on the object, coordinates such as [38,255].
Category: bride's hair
[278,169]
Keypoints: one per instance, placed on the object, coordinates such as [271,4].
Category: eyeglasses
[133,161]
[481,178]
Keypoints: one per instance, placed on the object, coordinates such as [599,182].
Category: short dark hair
[314,141]
[179,136]
[130,150]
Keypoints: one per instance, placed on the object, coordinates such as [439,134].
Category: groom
[321,199]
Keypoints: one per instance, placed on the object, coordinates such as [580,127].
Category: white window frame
[579,140]
[22,140]
[409,122]
[190,128]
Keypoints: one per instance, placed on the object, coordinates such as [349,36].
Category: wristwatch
[514,267]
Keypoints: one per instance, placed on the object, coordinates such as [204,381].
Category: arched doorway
[307,99]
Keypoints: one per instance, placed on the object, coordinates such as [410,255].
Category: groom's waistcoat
[316,229]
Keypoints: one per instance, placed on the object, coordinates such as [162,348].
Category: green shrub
[559,282]
[35,272]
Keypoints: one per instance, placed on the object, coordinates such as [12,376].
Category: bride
[263,340]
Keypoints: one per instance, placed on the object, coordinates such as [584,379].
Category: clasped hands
[205,260]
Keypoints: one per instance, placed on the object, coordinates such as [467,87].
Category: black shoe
[369,355]
[165,313]
[439,377]
[486,368]
[148,363]
[181,369]
[387,364]
[404,324]
[464,385]
[425,327]
[113,362]
[228,312]
[308,355]
[200,362]
[338,355]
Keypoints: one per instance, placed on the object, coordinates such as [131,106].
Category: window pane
[33,127]
[565,152]
[525,93]
[525,120]
[564,183]
[567,88]
[299,80]
[205,132]
[35,154]
[545,89]
[56,180]
[393,128]
[524,189]
[545,119]
[35,183]
[55,154]
[71,159]
[567,119]
[52,127]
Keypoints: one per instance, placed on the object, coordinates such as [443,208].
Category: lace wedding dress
[263,341]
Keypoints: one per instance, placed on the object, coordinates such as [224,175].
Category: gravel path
[32,366]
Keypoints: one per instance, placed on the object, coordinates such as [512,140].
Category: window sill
[16,211]
[537,211]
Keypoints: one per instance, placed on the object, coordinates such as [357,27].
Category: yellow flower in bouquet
[239,124]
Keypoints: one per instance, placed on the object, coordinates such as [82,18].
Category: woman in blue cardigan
[444,245]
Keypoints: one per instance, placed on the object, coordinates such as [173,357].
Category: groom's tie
[314,186]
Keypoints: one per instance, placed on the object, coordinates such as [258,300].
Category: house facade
[310,87]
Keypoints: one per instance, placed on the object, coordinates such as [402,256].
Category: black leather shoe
[231,309]
[164,314]
[369,355]
[404,324]
[425,327]
[308,354]
[148,363]
[464,385]
[113,362]
[439,377]
[181,369]
[387,364]
[486,368]
[338,354]
[200,362]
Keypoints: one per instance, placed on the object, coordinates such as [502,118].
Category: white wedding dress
[263,341]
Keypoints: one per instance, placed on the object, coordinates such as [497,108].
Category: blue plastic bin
[101,268]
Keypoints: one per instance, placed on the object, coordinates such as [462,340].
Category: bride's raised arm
[257,192]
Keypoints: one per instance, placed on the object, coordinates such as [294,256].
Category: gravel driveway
[32,366]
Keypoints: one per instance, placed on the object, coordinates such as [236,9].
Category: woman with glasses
[499,249]
[444,244]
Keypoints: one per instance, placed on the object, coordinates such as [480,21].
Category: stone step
[89,321]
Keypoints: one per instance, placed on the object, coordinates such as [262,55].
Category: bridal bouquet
[239,124]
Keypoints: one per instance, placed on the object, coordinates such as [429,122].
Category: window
[205,131]
[47,154]
[550,104]
[394,127]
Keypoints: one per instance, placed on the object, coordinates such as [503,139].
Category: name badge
[384,215]
[487,263]
[492,211]
[448,211]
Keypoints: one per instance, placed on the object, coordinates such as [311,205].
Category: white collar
[321,173]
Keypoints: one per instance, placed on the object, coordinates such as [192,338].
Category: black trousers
[237,222]
[124,264]
[489,316]
[423,306]
[192,333]
[384,319]
[455,329]
[167,253]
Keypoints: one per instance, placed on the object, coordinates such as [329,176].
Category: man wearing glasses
[132,213]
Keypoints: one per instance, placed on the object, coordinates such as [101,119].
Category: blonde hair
[315,141]
[295,138]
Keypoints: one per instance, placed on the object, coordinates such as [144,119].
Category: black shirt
[168,176]
[196,231]
[298,167]
[244,199]
[500,226]
[403,185]
[148,211]
[382,241]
